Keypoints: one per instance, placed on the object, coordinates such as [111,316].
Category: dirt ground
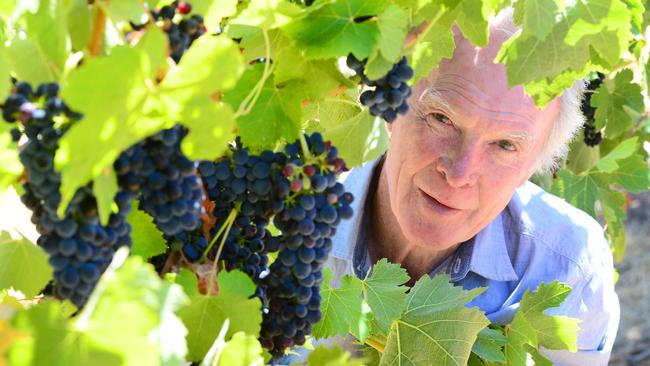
[632,346]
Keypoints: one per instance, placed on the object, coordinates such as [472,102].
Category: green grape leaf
[472,21]
[538,17]
[23,265]
[211,125]
[632,174]
[359,139]
[79,23]
[437,43]
[596,32]
[267,14]
[28,62]
[213,11]
[47,29]
[275,114]
[385,292]
[532,328]
[242,350]
[577,189]
[611,98]
[377,66]
[147,240]
[443,337]
[331,30]
[147,330]
[211,64]
[155,43]
[520,334]
[343,310]
[320,78]
[393,27]
[330,112]
[205,315]
[135,111]
[432,295]
[53,338]
[10,166]
[553,332]
[625,149]
[123,10]
[334,356]
[104,189]
[419,336]
[489,344]
[613,208]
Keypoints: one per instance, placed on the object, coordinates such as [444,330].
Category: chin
[433,235]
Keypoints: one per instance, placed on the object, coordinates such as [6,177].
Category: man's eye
[507,145]
[441,118]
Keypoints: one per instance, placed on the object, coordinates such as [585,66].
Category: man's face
[456,158]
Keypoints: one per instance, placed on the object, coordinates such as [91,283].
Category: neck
[386,239]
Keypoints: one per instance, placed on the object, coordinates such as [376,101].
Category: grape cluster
[79,247]
[308,220]
[391,92]
[592,136]
[181,32]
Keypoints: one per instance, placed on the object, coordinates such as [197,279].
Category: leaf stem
[247,104]
[97,35]
[305,148]
[227,224]
[421,29]
[377,342]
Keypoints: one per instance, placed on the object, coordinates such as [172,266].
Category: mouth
[436,205]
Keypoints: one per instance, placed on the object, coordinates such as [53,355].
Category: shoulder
[550,225]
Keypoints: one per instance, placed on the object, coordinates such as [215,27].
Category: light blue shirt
[537,238]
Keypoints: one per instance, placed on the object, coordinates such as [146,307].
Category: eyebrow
[431,96]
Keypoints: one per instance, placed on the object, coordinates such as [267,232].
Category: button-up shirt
[537,238]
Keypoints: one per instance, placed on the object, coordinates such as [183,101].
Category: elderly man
[451,196]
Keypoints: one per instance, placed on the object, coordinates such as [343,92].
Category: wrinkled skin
[454,161]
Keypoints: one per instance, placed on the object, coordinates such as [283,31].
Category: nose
[460,168]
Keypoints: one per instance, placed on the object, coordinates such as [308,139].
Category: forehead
[472,81]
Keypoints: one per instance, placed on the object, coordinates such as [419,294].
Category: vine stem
[247,104]
[99,24]
[227,223]
[305,148]
[224,234]
[376,342]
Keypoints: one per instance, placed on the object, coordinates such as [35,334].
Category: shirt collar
[486,255]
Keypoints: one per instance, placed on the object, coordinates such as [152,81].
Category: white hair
[570,118]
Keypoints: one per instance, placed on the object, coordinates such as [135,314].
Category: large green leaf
[538,17]
[331,30]
[610,101]
[385,292]
[211,127]
[275,114]
[48,30]
[107,129]
[242,350]
[343,310]
[489,344]
[632,174]
[23,265]
[28,62]
[609,163]
[267,14]
[360,138]
[579,190]
[79,23]
[205,315]
[434,45]
[437,328]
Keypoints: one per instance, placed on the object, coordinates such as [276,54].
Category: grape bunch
[79,246]
[391,92]
[181,28]
[312,211]
[592,137]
